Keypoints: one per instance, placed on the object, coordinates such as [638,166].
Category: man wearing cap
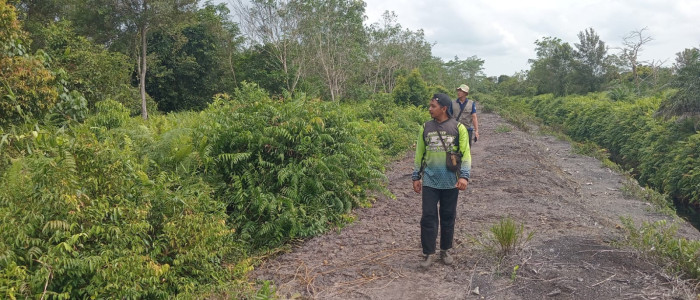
[464,111]
[438,184]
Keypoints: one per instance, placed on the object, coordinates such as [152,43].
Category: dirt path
[570,201]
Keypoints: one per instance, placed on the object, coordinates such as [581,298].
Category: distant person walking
[464,111]
[438,184]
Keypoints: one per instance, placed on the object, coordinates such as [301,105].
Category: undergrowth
[661,240]
[184,204]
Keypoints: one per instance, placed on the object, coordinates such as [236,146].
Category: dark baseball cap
[442,99]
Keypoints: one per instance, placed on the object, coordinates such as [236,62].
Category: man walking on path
[438,184]
[464,111]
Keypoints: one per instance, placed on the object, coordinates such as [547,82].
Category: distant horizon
[503,32]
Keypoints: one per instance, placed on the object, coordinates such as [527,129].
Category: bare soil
[571,202]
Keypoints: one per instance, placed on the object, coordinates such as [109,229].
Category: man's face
[461,93]
[435,109]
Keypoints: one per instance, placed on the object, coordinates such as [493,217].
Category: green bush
[289,169]
[661,153]
[176,206]
[94,71]
[27,89]
[72,107]
[383,123]
[12,38]
[81,217]
[411,89]
[109,114]
[661,240]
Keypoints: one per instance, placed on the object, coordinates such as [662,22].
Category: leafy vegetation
[176,206]
[505,237]
[411,89]
[661,241]
[94,202]
[27,85]
[661,154]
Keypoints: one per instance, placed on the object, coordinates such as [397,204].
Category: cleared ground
[571,202]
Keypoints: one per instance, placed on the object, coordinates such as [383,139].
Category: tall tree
[633,45]
[686,102]
[143,15]
[390,49]
[36,14]
[461,71]
[551,70]
[685,58]
[411,89]
[273,26]
[513,85]
[124,25]
[187,66]
[335,36]
[590,54]
[27,87]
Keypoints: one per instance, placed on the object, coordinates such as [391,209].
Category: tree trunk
[142,76]
[230,64]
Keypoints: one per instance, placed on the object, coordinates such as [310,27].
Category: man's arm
[465,169]
[418,161]
[420,152]
[475,121]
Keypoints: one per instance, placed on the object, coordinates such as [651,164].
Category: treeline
[591,66]
[645,114]
[176,56]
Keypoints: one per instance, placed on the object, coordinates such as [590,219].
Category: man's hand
[417,186]
[461,184]
[476,135]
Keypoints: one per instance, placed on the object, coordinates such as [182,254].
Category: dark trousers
[429,221]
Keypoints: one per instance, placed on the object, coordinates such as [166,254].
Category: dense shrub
[175,206]
[663,154]
[383,123]
[288,169]
[81,216]
[12,38]
[26,86]
[411,89]
[27,89]
[95,72]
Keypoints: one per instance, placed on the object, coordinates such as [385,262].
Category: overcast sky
[503,32]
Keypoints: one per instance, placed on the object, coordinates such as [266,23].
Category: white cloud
[503,32]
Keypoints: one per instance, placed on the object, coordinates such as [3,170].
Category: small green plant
[514,274]
[590,149]
[503,128]
[620,93]
[662,241]
[661,202]
[505,237]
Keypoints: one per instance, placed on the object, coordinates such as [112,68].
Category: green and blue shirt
[429,163]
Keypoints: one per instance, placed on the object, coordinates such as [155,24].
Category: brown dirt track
[571,202]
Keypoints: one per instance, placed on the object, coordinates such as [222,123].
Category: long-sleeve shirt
[429,163]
